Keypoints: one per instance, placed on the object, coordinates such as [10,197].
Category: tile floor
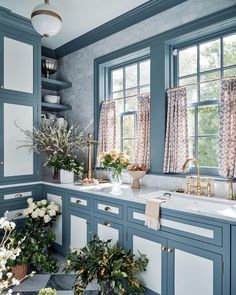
[60,281]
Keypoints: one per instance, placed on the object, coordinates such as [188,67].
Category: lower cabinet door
[79,229]
[193,271]
[154,247]
[58,225]
[108,230]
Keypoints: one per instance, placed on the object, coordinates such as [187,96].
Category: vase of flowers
[67,165]
[115,162]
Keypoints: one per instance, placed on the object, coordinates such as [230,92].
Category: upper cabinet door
[18,74]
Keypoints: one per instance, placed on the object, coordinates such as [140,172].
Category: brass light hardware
[106,223]
[195,185]
[230,189]
[18,195]
[78,201]
[163,248]
[108,209]
[18,214]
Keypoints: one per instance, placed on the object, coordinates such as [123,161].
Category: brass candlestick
[90,146]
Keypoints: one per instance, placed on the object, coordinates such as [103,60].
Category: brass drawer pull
[78,201]
[18,214]
[106,223]
[18,195]
[108,209]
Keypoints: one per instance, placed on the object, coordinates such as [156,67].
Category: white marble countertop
[210,207]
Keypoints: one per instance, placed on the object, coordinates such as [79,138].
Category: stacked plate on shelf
[52,98]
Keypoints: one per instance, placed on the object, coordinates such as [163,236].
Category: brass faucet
[197,187]
[230,189]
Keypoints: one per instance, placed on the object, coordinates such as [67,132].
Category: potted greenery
[114,268]
[47,291]
[37,236]
[67,165]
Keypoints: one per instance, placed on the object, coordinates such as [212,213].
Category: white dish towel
[152,213]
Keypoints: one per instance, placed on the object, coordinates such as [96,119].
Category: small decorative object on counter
[90,181]
[136,172]
[47,291]
[115,162]
[115,269]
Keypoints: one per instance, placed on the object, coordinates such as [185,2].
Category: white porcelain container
[66,177]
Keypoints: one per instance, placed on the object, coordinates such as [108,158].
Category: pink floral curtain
[177,144]
[142,153]
[227,132]
[107,127]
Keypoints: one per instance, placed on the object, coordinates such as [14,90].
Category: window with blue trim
[125,83]
[200,67]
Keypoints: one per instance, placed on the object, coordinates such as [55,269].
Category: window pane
[188,61]
[210,55]
[230,72]
[119,110]
[208,120]
[191,90]
[131,92]
[131,76]
[145,72]
[211,90]
[145,89]
[117,80]
[120,106]
[118,94]
[129,148]
[131,104]
[191,147]
[207,151]
[229,44]
[191,122]
[129,126]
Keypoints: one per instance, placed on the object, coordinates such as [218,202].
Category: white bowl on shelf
[52,98]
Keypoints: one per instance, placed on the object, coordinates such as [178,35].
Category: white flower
[26,212]
[32,206]
[52,212]
[9,275]
[30,201]
[30,210]
[47,218]
[41,212]
[15,282]
[39,203]
[56,208]
[34,214]
[13,225]
[52,203]
[44,202]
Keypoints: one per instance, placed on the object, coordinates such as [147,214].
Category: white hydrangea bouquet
[44,210]
[9,250]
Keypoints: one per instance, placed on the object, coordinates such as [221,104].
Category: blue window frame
[200,66]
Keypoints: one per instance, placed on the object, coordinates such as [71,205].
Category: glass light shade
[46,20]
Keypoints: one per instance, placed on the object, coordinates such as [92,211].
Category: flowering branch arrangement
[9,251]
[54,140]
[116,160]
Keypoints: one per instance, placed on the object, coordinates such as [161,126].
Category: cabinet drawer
[79,201]
[108,208]
[200,231]
[16,214]
[17,195]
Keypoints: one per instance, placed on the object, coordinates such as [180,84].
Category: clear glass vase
[116,180]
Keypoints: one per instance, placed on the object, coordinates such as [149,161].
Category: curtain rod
[146,93]
[199,83]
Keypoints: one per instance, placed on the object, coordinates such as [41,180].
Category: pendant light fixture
[46,20]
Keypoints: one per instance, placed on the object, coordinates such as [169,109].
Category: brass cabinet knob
[1,86]
[169,250]
[108,209]
[18,214]
[163,248]
[78,201]
[1,162]
[106,223]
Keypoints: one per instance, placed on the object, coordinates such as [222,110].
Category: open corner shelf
[54,85]
[54,107]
